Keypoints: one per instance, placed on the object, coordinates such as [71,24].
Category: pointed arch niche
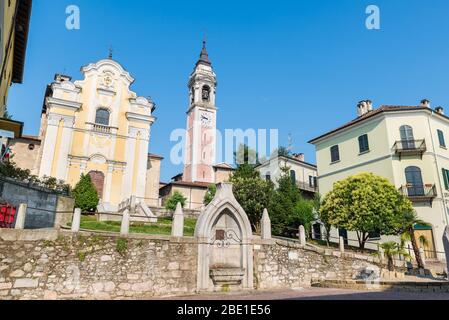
[225,251]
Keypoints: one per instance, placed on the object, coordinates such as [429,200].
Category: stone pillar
[342,245]
[76,221]
[21,215]
[302,235]
[124,230]
[177,229]
[423,257]
[446,248]
[265,225]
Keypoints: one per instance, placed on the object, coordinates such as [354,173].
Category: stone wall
[42,203]
[288,265]
[96,267]
[51,264]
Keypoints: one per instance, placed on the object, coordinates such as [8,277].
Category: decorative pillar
[302,235]
[124,230]
[342,245]
[108,184]
[21,216]
[65,146]
[49,145]
[177,229]
[265,225]
[76,221]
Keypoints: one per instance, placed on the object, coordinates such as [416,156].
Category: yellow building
[98,126]
[405,144]
[14,25]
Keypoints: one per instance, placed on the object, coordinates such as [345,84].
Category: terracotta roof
[382,109]
[156,156]
[189,184]
[224,166]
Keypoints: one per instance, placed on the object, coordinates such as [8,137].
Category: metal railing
[428,191]
[306,186]
[410,146]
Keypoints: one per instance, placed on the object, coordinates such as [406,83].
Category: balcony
[306,186]
[99,128]
[410,148]
[415,193]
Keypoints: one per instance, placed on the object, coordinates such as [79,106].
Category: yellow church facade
[98,126]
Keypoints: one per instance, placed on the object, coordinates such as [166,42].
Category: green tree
[365,203]
[392,249]
[252,192]
[407,227]
[173,201]
[284,204]
[86,196]
[210,194]
[246,155]
[281,152]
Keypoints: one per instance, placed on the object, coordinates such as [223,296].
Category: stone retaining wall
[49,265]
[288,265]
[96,267]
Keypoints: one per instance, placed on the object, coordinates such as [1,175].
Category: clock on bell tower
[201,123]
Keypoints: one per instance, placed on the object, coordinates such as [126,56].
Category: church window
[206,93]
[102,117]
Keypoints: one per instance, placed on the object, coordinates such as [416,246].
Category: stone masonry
[105,266]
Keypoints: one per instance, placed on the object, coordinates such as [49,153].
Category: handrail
[410,146]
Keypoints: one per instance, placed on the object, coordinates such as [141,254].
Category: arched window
[407,138]
[415,185]
[293,176]
[206,93]
[102,117]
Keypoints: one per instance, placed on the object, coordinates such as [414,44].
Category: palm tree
[410,221]
[392,249]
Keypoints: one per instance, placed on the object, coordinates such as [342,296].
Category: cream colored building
[408,145]
[14,25]
[98,126]
[303,173]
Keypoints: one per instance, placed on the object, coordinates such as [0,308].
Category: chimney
[62,78]
[425,103]
[363,107]
[439,110]
[299,156]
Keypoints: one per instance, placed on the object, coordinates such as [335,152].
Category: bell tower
[201,122]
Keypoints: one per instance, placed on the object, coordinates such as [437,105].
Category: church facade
[98,126]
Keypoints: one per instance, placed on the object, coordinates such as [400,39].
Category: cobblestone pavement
[318,294]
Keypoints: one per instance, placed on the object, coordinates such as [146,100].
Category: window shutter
[446,179]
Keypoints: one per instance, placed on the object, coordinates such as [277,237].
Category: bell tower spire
[201,122]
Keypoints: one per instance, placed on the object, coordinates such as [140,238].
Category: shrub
[86,196]
[173,201]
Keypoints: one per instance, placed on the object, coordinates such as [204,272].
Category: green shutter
[446,179]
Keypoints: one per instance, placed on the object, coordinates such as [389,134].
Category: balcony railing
[419,193]
[306,186]
[410,147]
[95,127]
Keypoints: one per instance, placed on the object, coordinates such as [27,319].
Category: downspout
[439,171]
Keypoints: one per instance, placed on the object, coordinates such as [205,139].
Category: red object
[7,216]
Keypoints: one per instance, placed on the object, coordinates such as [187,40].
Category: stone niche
[225,253]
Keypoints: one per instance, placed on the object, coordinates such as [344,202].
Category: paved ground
[317,294]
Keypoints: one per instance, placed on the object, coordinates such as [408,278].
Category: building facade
[14,26]
[303,173]
[98,126]
[406,145]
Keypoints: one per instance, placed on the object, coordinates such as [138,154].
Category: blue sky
[297,66]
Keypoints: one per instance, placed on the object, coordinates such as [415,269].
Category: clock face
[206,119]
